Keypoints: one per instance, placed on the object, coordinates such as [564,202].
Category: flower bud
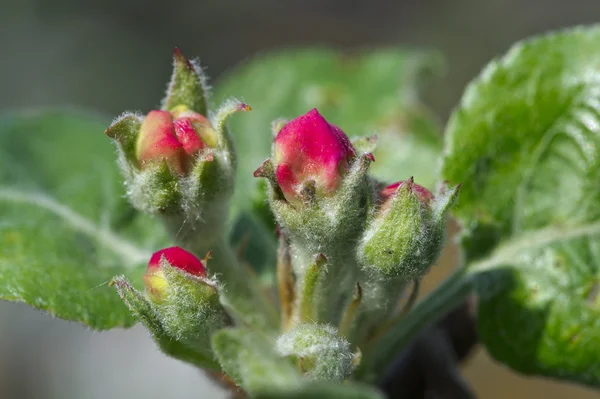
[176,257]
[177,284]
[181,307]
[176,161]
[309,148]
[320,194]
[405,236]
[319,188]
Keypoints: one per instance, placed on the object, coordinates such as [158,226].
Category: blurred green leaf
[250,360]
[524,142]
[367,93]
[325,391]
[65,226]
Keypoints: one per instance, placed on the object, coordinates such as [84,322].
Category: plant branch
[448,295]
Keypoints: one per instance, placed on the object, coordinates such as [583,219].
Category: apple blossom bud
[178,162]
[309,149]
[182,306]
[405,237]
[176,257]
[318,185]
[321,194]
[185,299]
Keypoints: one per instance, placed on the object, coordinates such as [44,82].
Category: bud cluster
[349,244]
[346,233]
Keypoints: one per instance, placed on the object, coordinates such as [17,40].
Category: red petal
[180,259]
[187,136]
[309,147]
[157,141]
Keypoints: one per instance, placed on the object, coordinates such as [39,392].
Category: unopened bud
[309,149]
[176,161]
[407,233]
[176,257]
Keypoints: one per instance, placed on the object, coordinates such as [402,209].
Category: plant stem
[242,292]
[285,282]
[449,294]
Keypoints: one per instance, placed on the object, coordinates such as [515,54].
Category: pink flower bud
[176,257]
[310,148]
[422,193]
[174,140]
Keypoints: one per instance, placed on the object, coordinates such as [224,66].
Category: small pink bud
[310,148]
[174,140]
[178,258]
[422,193]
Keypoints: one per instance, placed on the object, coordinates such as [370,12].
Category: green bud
[406,234]
[320,352]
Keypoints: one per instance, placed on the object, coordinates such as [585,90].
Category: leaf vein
[506,253]
[129,253]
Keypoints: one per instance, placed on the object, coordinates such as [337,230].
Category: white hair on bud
[329,354]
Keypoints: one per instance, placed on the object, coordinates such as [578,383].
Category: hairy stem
[448,295]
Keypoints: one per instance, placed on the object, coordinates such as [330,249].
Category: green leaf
[374,92]
[65,226]
[250,360]
[524,142]
[325,391]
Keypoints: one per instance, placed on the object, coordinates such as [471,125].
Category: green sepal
[188,86]
[202,196]
[124,130]
[155,190]
[249,359]
[218,120]
[210,178]
[320,352]
[323,224]
[139,305]
[365,144]
[324,390]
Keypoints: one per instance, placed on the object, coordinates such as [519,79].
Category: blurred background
[112,55]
